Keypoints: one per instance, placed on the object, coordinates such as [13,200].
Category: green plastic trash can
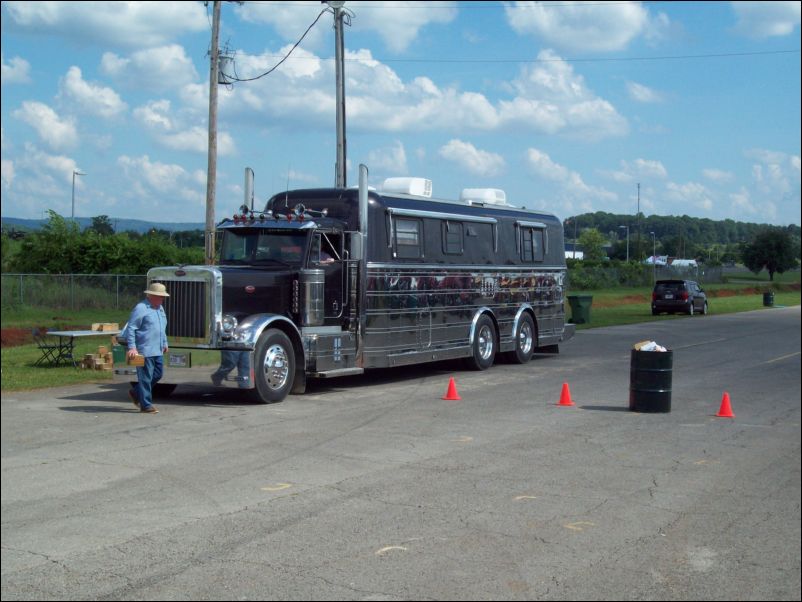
[768,299]
[580,308]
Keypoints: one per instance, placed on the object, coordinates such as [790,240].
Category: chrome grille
[186,308]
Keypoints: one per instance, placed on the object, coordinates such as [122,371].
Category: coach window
[531,244]
[452,238]
[408,239]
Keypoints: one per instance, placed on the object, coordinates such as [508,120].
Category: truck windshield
[253,246]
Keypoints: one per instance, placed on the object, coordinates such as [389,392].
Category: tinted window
[531,244]
[408,238]
[452,238]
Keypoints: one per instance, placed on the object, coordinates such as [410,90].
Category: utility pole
[339,59]
[211,177]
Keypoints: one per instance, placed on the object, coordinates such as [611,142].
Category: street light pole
[627,227]
[75,172]
[654,258]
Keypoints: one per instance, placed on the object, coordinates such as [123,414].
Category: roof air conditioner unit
[491,196]
[411,186]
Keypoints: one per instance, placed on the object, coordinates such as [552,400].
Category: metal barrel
[650,381]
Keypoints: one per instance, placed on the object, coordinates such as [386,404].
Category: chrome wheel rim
[276,367]
[485,342]
[525,338]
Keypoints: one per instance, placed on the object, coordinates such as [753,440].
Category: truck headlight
[229,324]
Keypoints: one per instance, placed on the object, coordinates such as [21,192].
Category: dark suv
[678,295]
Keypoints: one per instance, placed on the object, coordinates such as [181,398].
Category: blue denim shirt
[147,329]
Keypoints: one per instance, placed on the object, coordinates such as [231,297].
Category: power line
[276,66]
[557,59]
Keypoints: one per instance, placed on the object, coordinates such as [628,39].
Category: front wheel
[484,344]
[274,368]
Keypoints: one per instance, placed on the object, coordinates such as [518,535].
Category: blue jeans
[230,360]
[147,376]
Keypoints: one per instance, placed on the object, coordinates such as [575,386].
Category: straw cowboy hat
[158,289]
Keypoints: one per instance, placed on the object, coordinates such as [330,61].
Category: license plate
[180,360]
[668,296]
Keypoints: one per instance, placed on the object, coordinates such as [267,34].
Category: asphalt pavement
[376,488]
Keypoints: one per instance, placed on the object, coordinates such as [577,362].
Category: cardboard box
[138,360]
[105,326]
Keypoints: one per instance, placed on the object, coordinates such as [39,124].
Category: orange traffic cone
[451,394]
[725,411]
[565,396]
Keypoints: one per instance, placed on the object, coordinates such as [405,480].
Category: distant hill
[120,225]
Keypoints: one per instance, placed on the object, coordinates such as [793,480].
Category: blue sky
[567,107]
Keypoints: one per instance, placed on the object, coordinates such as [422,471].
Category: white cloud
[91,98]
[196,140]
[718,175]
[475,161]
[59,133]
[155,115]
[6,173]
[742,201]
[775,173]
[152,183]
[156,69]
[645,169]
[691,193]
[551,98]
[120,24]
[767,19]
[570,182]
[389,160]
[397,23]
[15,71]
[641,93]
[548,98]
[167,130]
[583,26]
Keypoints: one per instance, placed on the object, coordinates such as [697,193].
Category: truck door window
[326,248]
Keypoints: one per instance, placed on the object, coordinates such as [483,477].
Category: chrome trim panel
[439,215]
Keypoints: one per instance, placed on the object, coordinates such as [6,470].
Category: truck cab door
[327,254]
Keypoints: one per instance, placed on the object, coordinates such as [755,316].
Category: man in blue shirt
[146,335]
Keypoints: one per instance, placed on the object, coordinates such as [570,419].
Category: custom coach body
[331,282]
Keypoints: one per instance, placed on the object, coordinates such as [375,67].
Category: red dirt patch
[628,300]
[11,337]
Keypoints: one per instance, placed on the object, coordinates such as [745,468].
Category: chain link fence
[636,275]
[72,291]
[122,291]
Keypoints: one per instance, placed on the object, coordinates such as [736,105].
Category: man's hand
[131,354]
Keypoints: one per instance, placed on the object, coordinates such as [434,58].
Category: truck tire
[484,344]
[274,368]
[525,336]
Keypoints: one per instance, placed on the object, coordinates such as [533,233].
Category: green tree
[592,242]
[772,249]
[102,225]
